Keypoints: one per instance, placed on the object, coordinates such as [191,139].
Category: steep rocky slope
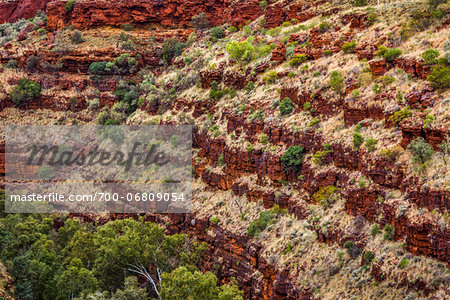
[355,215]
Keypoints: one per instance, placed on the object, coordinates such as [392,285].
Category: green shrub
[172,48]
[324,27]
[307,106]
[371,144]
[215,92]
[216,33]
[323,195]
[368,257]
[263,4]
[200,21]
[77,37]
[375,230]
[389,232]
[12,64]
[215,220]
[293,158]
[400,115]
[440,77]
[271,77]
[313,122]
[392,54]
[127,27]
[381,50]
[336,81]
[421,150]
[349,47]
[433,4]
[286,107]
[32,64]
[358,140]
[358,2]
[327,52]
[98,68]
[264,139]
[352,249]
[386,80]
[297,60]
[403,263]
[430,56]
[250,86]
[320,155]
[232,29]
[243,51]
[265,219]
[69,5]
[25,91]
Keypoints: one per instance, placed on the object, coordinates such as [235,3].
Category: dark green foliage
[336,81]
[127,27]
[400,115]
[293,158]
[250,86]
[286,107]
[172,48]
[352,249]
[98,68]
[375,230]
[263,4]
[25,91]
[430,56]
[12,64]
[216,33]
[403,263]
[440,77]
[69,5]
[392,54]
[349,47]
[324,26]
[265,219]
[358,2]
[421,150]
[200,21]
[128,93]
[368,257]
[122,65]
[297,60]
[185,283]
[371,144]
[216,92]
[77,37]
[433,4]
[389,232]
[358,140]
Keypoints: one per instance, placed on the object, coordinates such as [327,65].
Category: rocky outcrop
[11,11]
[279,53]
[171,13]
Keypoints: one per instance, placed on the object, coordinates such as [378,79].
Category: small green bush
[216,33]
[263,4]
[243,51]
[371,144]
[324,27]
[421,150]
[265,219]
[392,54]
[440,77]
[293,157]
[264,138]
[323,195]
[430,56]
[271,77]
[297,60]
[127,27]
[389,232]
[349,47]
[400,115]
[368,257]
[77,37]
[327,52]
[215,220]
[358,140]
[172,48]
[69,5]
[381,50]
[358,2]
[286,107]
[25,91]
[336,81]
[250,86]
[200,21]
[403,263]
[375,230]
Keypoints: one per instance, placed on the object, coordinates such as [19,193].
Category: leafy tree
[172,48]
[185,284]
[243,51]
[430,56]
[293,157]
[200,21]
[25,91]
[421,150]
[336,81]
[74,280]
[131,291]
[286,106]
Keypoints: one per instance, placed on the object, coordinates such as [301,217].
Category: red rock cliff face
[20,9]
[170,13]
